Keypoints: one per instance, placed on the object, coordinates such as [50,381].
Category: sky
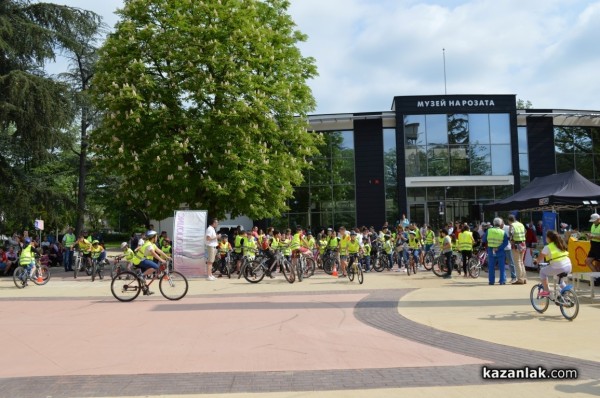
[368,51]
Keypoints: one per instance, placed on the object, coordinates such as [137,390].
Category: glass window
[458,129]
[342,171]
[436,194]
[582,141]
[479,128]
[504,191]
[459,161]
[389,140]
[416,194]
[585,166]
[524,165]
[414,130]
[347,140]
[499,128]
[522,134]
[437,129]
[437,164]
[300,201]
[416,162]
[485,193]
[463,193]
[321,171]
[501,160]
[563,140]
[344,198]
[565,162]
[480,160]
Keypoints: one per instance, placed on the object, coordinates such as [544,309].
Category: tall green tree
[206,106]
[35,109]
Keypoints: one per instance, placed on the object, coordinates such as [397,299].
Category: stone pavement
[395,334]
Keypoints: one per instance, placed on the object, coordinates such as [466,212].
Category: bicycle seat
[562,275]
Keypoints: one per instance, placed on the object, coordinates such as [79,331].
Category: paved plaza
[394,335]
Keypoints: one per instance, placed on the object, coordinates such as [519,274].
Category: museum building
[438,159]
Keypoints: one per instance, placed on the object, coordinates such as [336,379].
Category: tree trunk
[81,192]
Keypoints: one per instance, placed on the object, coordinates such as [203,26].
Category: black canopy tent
[562,191]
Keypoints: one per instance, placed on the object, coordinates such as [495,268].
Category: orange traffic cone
[40,279]
[334,273]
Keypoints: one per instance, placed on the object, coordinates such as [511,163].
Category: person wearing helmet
[414,244]
[127,255]
[98,252]
[27,258]
[146,254]
[85,245]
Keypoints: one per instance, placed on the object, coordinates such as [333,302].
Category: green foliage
[206,106]
[36,112]
[524,104]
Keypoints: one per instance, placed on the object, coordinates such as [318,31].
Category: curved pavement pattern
[378,309]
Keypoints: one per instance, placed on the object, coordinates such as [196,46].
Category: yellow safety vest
[518,232]
[495,237]
[353,247]
[139,254]
[465,241]
[556,253]
[429,237]
[595,233]
[27,255]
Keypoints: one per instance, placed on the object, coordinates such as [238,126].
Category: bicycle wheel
[540,304]
[439,266]
[328,265]
[381,263]
[351,270]
[101,271]
[474,268]
[88,267]
[300,269]
[309,269]
[94,270]
[41,275]
[254,272]
[569,304]
[428,260]
[415,267]
[173,286]
[360,275]
[77,267]
[409,267]
[288,273]
[126,286]
[19,277]
[115,270]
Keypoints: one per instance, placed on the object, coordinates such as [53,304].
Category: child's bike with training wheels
[127,285]
[565,298]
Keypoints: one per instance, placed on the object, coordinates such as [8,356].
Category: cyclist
[85,245]
[388,248]
[557,255]
[295,244]
[447,251]
[414,244]
[367,252]
[98,253]
[465,245]
[353,246]
[128,255]
[27,258]
[343,246]
[146,253]
[224,247]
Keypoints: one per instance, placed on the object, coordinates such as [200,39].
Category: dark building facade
[437,159]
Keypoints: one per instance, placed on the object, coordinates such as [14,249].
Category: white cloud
[369,51]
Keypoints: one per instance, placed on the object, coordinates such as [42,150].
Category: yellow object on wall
[578,250]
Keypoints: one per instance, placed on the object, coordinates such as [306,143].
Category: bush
[115,237]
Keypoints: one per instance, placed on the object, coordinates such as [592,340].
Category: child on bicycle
[367,253]
[555,252]
[27,258]
[127,255]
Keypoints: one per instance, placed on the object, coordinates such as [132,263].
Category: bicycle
[98,268]
[39,276]
[477,263]
[173,285]
[440,268]
[305,266]
[354,268]
[330,261]
[81,264]
[429,259]
[118,267]
[224,264]
[565,298]
[412,264]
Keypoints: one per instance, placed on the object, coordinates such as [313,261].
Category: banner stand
[189,252]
